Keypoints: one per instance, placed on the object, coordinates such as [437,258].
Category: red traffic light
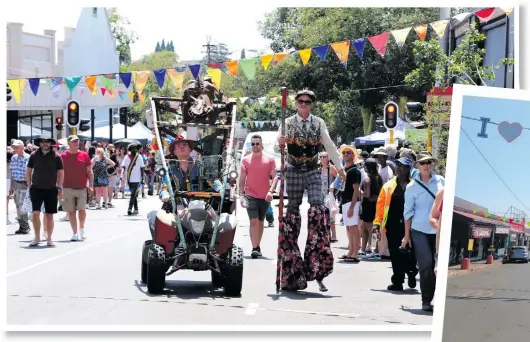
[59,121]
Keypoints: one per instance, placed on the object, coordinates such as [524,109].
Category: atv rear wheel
[233,271]
[156,269]
[145,249]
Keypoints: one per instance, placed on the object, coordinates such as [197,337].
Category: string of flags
[267,124]
[521,223]
[106,83]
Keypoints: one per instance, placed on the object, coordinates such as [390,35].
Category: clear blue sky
[476,181]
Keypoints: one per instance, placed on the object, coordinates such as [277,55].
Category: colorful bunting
[177,78]
[215,65]
[195,70]
[72,82]
[112,93]
[215,74]
[140,80]
[90,82]
[401,36]
[34,85]
[421,31]
[280,57]
[17,88]
[108,80]
[266,60]
[322,51]
[305,55]
[131,95]
[126,79]
[243,99]
[160,76]
[485,14]
[379,43]
[342,50]
[249,67]
[121,94]
[358,44]
[233,67]
[439,27]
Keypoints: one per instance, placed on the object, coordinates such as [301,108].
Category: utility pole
[208,47]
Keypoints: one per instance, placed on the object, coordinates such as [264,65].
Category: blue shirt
[18,167]
[419,202]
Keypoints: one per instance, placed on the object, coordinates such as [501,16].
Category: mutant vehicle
[195,227]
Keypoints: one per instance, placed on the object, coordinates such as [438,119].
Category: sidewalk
[475,266]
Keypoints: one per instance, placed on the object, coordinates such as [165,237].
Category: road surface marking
[87,246]
[315,312]
[252,308]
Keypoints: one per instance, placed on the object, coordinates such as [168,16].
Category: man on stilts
[304,134]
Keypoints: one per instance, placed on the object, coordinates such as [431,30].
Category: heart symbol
[510,131]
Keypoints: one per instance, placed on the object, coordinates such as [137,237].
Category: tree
[243,54]
[123,35]
[170,47]
[464,65]
[158,49]
[218,54]
[300,28]
[163,45]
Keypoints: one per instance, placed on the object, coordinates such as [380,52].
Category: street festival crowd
[389,200]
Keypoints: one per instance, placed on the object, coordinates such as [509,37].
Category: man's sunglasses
[347,152]
[302,102]
[255,144]
[428,162]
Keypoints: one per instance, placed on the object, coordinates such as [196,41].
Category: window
[95,12]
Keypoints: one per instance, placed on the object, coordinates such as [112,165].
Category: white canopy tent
[138,132]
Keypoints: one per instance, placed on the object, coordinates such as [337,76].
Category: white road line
[252,308]
[314,312]
[87,246]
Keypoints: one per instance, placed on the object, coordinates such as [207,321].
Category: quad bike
[196,229]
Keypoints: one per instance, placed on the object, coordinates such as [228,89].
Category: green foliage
[123,35]
[158,48]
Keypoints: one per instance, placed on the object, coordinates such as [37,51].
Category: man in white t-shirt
[132,169]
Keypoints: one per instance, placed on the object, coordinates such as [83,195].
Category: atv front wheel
[145,249]
[233,271]
[156,269]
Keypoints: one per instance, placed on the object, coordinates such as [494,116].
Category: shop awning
[479,219]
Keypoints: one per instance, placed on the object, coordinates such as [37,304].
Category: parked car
[517,254]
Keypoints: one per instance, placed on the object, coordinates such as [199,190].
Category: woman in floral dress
[100,163]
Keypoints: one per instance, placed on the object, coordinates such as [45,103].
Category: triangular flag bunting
[508,11]
[358,44]
[108,80]
[249,67]
[280,57]
[17,88]
[177,78]
[342,49]
[274,98]
[140,80]
[485,14]
[141,97]
[439,27]
[305,55]
[261,100]
[121,94]
[215,65]
[266,60]
[379,43]
[322,51]
[160,76]
[131,95]
[243,99]
[72,82]
[112,93]
[232,66]
[195,68]
[421,31]
[34,85]
[401,36]
[103,91]
[82,90]
[215,74]
[126,78]
[90,82]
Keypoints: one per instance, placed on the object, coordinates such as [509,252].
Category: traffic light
[72,114]
[9,96]
[59,123]
[84,125]
[390,113]
[414,107]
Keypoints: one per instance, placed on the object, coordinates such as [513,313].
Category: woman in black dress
[371,187]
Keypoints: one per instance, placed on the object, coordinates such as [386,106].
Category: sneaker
[395,287]
[45,236]
[105,206]
[427,307]
[411,281]
[135,212]
[9,221]
[110,205]
[255,253]
[129,212]
[271,224]
[74,238]
[82,235]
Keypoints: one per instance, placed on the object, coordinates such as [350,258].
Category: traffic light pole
[110,125]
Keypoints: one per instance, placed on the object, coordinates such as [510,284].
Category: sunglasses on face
[323,157]
[428,162]
[302,102]
[347,152]
[255,144]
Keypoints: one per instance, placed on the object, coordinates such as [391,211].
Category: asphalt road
[97,281]
[490,305]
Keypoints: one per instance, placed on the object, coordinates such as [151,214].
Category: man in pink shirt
[256,171]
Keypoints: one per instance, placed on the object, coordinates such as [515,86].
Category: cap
[404,161]
[306,92]
[72,138]
[17,143]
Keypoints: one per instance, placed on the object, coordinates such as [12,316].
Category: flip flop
[351,259]
[50,244]
[34,243]
[344,257]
